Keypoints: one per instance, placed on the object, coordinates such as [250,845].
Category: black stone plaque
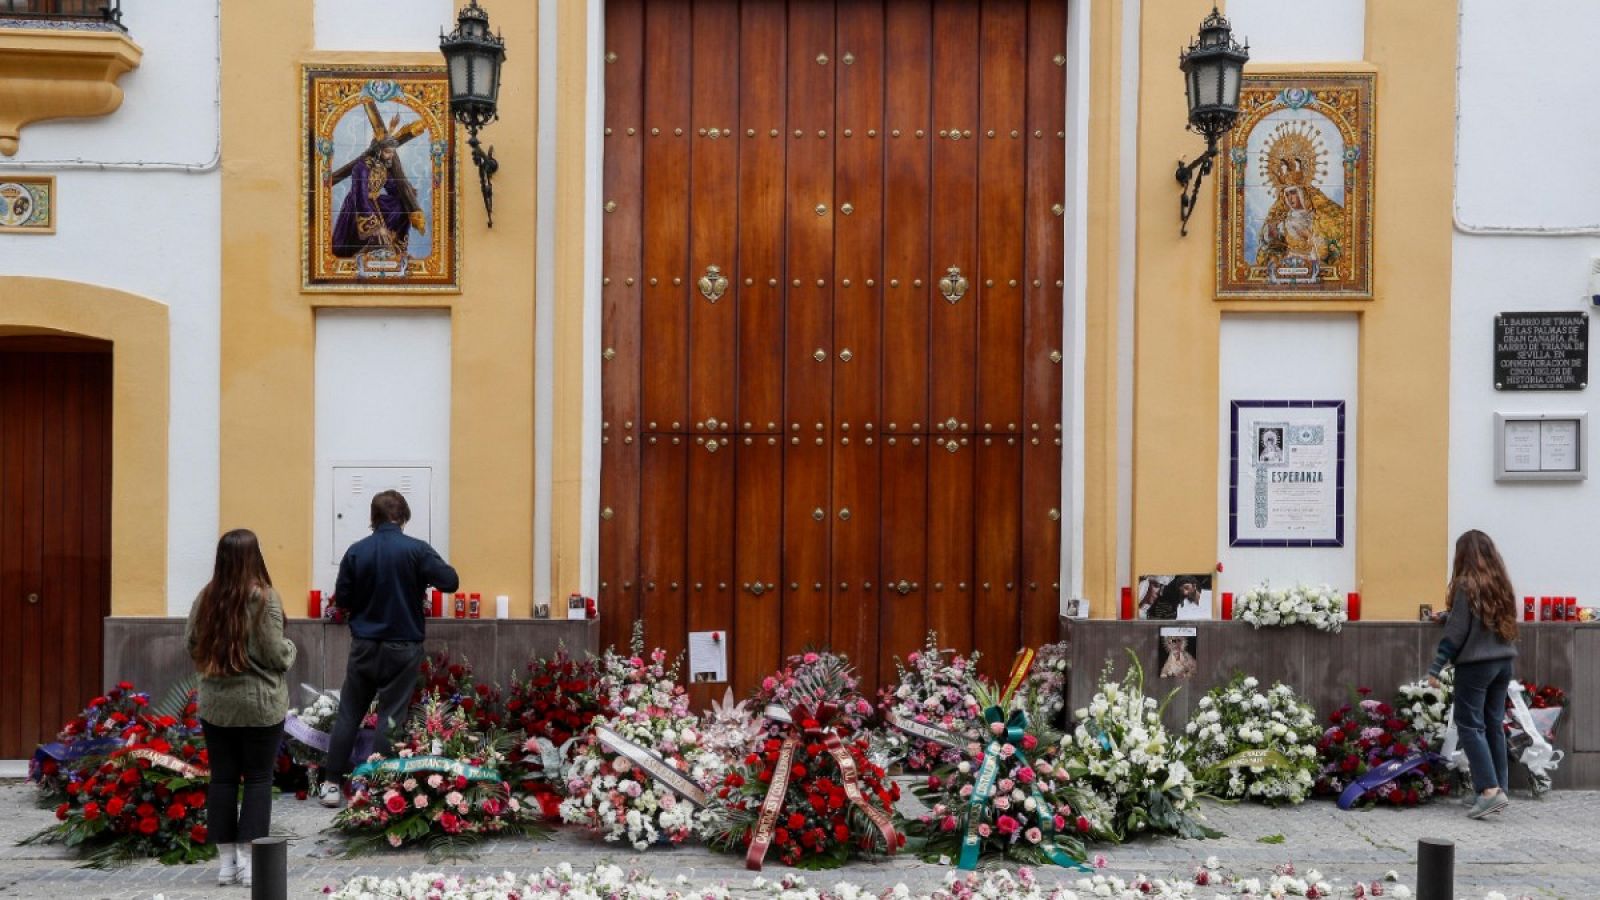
[1541,351]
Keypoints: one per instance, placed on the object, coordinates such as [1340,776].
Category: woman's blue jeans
[1480,709]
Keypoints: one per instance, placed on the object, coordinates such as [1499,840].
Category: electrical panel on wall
[353,490]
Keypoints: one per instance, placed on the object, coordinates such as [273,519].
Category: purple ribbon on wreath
[320,740]
[1384,773]
[70,751]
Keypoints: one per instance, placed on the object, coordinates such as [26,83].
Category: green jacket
[260,694]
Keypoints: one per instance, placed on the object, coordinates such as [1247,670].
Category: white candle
[502,607]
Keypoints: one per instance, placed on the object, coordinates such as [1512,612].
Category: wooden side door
[55,532]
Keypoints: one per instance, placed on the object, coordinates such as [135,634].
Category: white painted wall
[1283,31]
[382,399]
[1288,357]
[382,25]
[139,210]
[1527,202]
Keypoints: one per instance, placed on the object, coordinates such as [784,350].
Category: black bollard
[269,866]
[1436,869]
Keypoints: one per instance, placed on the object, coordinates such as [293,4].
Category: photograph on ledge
[1294,211]
[1178,653]
[1186,597]
[379,210]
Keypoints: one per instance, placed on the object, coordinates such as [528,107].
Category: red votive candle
[461,606]
[1527,609]
[314,605]
[1127,603]
[1227,606]
[474,605]
[1544,609]
[1572,610]
[1352,605]
[437,597]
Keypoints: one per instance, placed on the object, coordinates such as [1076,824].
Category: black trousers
[240,755]
[387,670]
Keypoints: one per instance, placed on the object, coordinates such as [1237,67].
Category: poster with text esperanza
[1286,484]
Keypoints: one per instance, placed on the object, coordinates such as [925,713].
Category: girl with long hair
[235,637]
[1480,636]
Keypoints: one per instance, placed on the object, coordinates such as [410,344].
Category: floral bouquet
[442,789]
[640,774]
[554,702]
[935,689]
[808,788]
[1320,607]
[1121,752]
[1247,744]
[87,739]
[146,799]
[1427,708]
[452,680]
[307,729]
[1010,797]
[1368,745]
[729,729]
[1045,693]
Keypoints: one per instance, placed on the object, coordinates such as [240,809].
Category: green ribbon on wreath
[1014,726]
[409,764]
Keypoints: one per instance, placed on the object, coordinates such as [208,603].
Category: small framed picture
[1425,612]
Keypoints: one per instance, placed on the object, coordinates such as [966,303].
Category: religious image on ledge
[1186,597]
[379,209]
[1295,211]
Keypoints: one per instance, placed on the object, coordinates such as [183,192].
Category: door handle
[33,599]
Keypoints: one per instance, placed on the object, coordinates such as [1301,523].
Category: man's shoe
[330,795]
[228,856]
[1488,805]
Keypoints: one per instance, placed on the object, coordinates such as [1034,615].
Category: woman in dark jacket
[235,637]
[1480,635]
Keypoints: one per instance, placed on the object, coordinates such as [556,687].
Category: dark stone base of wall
[1327,668]
[150,652]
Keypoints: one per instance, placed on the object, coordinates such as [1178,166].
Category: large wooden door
[833,325]
[55,533]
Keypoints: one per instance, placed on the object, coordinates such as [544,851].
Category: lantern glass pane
[491,72]
[1230,85]
[1210,83]
[1191,87]
[473,29]
[458,74]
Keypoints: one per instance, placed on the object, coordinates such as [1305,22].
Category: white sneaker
[329,795]
[244,865]
[228,855]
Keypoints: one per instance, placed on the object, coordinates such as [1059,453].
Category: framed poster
[1174,596]
[1541,446]
[27,204]
[1286,473]
[1294,215]
[378,212]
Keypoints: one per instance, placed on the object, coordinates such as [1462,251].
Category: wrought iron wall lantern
[1212,67]
[473,58]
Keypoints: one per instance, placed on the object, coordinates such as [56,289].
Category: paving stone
[1540,848]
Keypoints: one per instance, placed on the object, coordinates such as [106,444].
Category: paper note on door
[708,657]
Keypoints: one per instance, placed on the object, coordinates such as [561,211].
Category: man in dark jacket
[383,580]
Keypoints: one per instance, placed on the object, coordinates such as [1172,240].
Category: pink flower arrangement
[934,689]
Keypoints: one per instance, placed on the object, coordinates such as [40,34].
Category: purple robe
[375,214]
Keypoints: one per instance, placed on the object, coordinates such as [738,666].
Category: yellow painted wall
[140,396]
[1404,365]
[268,326]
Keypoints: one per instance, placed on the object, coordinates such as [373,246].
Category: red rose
[177,811]
[461,782]
[395,804]
[61,811]
[797,821]
[1083,825]
[781,837]
[198,834]
[91,810]
[114,806]
[148,826]
[145,811]
[841,833]
[798,771]
[125,685]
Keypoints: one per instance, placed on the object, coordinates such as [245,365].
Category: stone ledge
[48,73]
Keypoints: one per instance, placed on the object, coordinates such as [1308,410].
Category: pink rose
[1029,742]
[948,824]
[1033,835]
[1025,775]
[984,830]
[810,658]
[1060,822]
[997,727]
[1007,825]
[1006,785]
[450,823]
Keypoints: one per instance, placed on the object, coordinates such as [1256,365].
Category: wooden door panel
[621,295]
[806,529]
[762,124]
[855,523]
[997,518]
[1002,79]
[32,544]
[667,86]
[908,49]
[14,572]
[55,548]
[758,555]
[713,220]
[858,229]
[663,523]
[953,242]
[95,573]
[950,536]
[709,587]
[808,383]
[904,593]
[1043,348]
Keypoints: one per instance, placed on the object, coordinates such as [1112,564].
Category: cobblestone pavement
[1538,848]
